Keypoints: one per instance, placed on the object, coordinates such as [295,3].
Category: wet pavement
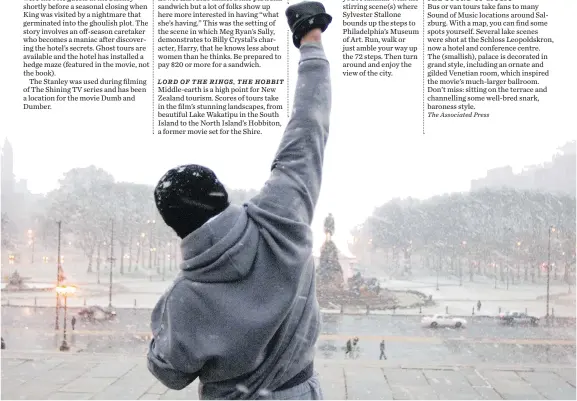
[138,321]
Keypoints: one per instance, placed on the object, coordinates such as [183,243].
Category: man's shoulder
[180,286]
[180,296]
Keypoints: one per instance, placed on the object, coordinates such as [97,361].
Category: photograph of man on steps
[242,316]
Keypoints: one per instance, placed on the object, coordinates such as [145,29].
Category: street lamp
[439,267]
[65,291]
[463,244]
[495,273]
[164,263]
[518,263]
[151,250]
[58,275]
[551,230]
[31,237]
[151,223]
[140,251]
[566,272]
[157,259]
[112,259]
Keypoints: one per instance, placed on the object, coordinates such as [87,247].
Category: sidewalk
[51,375]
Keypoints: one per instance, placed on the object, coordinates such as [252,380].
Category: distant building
[496,178]
[18,203]
[557,176]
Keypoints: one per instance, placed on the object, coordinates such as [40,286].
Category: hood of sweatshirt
[221,250]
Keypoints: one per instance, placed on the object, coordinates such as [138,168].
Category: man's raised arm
[294,185]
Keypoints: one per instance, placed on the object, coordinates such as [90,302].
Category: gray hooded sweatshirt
[243,315]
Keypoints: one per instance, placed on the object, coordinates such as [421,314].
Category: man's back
[250,311]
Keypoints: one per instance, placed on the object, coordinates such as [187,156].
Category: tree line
[88,201]
[487,232]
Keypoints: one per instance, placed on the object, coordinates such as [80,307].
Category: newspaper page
[397,166]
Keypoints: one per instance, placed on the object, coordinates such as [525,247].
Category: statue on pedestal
[329,226]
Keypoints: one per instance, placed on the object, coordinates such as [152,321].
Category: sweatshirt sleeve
[172,357]
[293,188]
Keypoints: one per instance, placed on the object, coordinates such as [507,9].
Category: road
[483,341]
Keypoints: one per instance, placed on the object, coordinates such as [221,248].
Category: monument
[331,286]
[330,274]
[16,282]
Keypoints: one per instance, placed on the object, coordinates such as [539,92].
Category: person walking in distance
[382,347]
[478,305]
[73,322]
[355,352]
[349,348]
[242,314]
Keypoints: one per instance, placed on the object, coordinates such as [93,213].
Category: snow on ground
[145,290]
[32,286]
[148,301]
[472,291]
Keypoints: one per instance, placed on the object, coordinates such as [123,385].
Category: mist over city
[470,258]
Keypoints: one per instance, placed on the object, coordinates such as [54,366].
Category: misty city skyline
[39,186]
[334,197]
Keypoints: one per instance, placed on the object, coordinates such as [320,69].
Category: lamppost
[150,268]
[164,262]
[140,251]
[551,230]
[495,273]
[566,272]
[31,238]
[65,291]
[58,275]
[111,265]
[518,264]
[439,267]
[151,223]
[463,244]
[157,258]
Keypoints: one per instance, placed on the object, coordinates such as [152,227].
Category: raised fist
[306,16]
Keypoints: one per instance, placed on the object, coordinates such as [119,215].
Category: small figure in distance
[349,348]
[382,347]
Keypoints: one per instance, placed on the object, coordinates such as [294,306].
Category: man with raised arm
[242,315]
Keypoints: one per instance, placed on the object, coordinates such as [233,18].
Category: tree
[84,202]
[7,232]
[487,227]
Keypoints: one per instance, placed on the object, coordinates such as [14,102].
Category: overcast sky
[376,149]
